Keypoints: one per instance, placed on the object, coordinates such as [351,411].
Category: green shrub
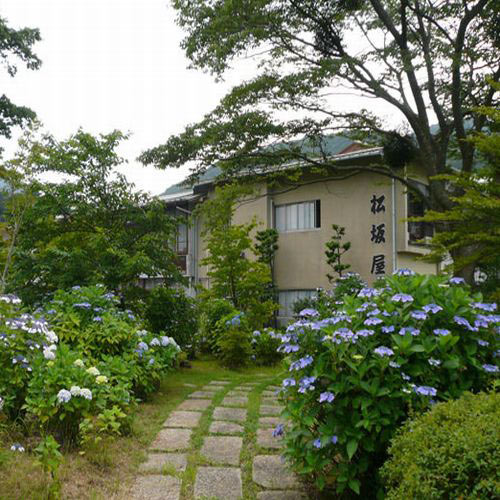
[452,451]
[265,345]
[357,371]
[234,347]
[212,311]
[169,310]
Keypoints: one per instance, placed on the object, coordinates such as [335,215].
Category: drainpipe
[394,227]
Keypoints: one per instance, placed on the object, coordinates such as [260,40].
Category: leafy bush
[171,311]
[212,311]
[357,371]
[265,345]
[451,451]
[234,348]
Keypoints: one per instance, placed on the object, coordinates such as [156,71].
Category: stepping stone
[223,483]
[194,405]
[201,395]
[235,414]
[237,394]
[272,411]
[270,401]
[222,450]
[265,439]
[243,389]
[269,421]
[220,427]
[234,402]
[281,495]
[219,382]
[156,487]
[211,388]
[171,440]
[270,471]
[190,385]
[269,394]
[250,384]
[187,419]
[158,461]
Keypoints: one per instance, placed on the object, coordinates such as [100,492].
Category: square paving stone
[234,401]
[269,394]
[223,483]
[237,394]
[190,385]
[235,414]
[201,395]
[157,461]
[270,402]
[272,411]
[220,427]
[266,439]
[270,471]
[186,419]
[219,382]
[281,495]
[269,421]
[194,405]
[212,388]
[243,389]
[222,450]
[171,440]
[156,487]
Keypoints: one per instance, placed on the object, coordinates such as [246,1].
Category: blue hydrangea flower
[483,343]
[372,321]
[410,330]
[404,272]
[441,331]
[97,318]
[278,431]
[383,351]
[490,368]
[289,382]
[83,305]
[326,396]
[387,329]
[312,313]
[63,396]
[17,447]
[484,307]
[155,342]
[393,364]
[405,377]
[334,440]
[368,292]
[418,315]
[305,384]
[317,443]
[456,281]
[425,390]
[288,348]
[365,333]
[143,346]
[402,297]
[373,312]
[432,308]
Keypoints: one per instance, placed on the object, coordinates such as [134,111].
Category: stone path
[209,443]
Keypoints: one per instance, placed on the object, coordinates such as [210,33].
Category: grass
[107,471]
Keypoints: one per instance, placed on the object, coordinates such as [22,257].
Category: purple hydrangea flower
[334,439]
[305,384]
[402,297]
[456,281]
[365,333]
[490,368]
[288,348]
[441,331]
[410,330]
[373,312]
[383,351]
[289,382]
[326,396]
[387,329]
[278,431]
[368,292]
[432,308]
[483,343]
[317,443]
[425,390]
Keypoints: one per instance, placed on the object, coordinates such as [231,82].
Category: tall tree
[16,44]
[92,227]
[426,59]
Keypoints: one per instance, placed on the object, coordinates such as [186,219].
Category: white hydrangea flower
[101,379]
[51,337]
[1,403]
[79,363]
[141,333]
[49,353]
[63,396]
[75,391]
[86,393]
[93,371]
[155,342]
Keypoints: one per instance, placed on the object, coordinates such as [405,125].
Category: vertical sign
[377,235]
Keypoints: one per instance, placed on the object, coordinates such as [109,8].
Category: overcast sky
[112,64]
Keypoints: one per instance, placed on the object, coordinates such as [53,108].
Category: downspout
[394,227]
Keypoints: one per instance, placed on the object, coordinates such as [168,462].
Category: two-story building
[371,207]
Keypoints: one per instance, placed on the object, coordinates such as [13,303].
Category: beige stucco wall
[300,260]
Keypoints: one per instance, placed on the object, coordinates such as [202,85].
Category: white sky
[111,64]
[117,64]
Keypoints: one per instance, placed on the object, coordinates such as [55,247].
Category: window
[287,299]
[181,240]
[417,230]
[297,216]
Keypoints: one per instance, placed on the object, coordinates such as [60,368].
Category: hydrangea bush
[357,372]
